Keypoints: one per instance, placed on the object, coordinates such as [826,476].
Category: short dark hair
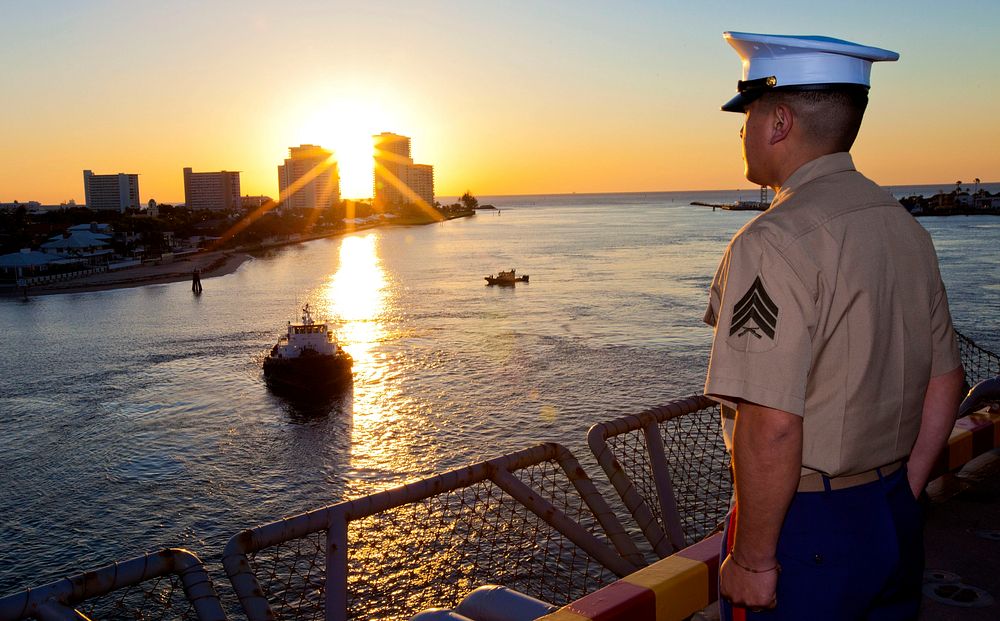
[831,117]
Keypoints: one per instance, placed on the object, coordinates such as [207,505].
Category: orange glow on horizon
[635,109]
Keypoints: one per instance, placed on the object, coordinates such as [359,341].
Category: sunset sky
[502,98]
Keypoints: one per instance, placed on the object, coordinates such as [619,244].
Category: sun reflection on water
[356,294]
[359,295]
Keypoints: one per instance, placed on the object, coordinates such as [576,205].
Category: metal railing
[167,585]
[670,467]
[532,521]
[979,364]
[60,277]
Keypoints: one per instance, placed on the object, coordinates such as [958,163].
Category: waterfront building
[392,155]
[100,228]
[27,263]
[28,258]
[398,181]
[309,179]
[393,148]
[985,201]
[84,245]
[116,192]
[254,202]
[29,206]
[420,178]
[216,191]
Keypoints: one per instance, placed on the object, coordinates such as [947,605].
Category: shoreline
[212,264]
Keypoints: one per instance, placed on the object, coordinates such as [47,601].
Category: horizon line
[515,195]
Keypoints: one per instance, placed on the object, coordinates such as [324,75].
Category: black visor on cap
[748,91]
[740,102]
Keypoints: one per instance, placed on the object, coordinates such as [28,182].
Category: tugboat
[307,361]
[505,278]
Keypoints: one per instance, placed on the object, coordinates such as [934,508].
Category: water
[137,419]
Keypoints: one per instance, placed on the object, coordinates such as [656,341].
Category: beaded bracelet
[777,567]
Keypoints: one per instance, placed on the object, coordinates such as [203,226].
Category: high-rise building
[112,192]
[388,143]
[398,181]
[420,178]
[218,191]
[309,179]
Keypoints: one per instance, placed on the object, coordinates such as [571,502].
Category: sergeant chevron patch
[755,313]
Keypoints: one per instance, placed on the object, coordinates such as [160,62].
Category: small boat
[505,278]
[308,361]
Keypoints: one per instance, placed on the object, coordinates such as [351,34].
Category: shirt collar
[819,167]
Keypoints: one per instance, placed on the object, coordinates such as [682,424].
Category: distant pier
[737,206]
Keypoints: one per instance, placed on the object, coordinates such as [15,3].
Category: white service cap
[787,62]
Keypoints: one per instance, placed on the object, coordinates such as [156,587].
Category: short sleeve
[715,292]
[945,356]
[762,344]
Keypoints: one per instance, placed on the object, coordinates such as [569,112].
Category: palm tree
[470,201]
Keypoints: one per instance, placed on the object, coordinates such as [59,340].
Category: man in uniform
[833,355]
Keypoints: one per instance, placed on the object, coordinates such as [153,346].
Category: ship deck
[962,540]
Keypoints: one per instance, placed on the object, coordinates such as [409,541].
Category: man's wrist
[754,562]
[773,566]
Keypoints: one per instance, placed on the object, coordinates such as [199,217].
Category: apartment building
[116,192]
[216,191]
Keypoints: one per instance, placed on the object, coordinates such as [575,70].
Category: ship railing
[979,364]
[686,581]
[171,584]
[670,468]
[531,521]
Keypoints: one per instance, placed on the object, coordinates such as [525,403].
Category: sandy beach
[211,265]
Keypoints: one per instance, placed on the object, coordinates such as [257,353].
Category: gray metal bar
[664,485]
[334,519]
[648,422]
[198,587]
[558,520]
[634,502]
[599,507]
[75,589]
[237,565]
[336,569]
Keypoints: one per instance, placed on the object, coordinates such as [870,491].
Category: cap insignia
[751,85]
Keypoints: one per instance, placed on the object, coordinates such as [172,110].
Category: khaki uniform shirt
[830,306]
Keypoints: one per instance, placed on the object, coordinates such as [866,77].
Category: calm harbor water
[137,419]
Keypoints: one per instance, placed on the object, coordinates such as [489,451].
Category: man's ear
[782,119]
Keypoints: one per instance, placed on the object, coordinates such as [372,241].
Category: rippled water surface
[136,419]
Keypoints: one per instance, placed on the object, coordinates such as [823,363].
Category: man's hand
[944,393]
[746,588]
[767,459]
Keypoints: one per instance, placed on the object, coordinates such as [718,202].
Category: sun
[346,127]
